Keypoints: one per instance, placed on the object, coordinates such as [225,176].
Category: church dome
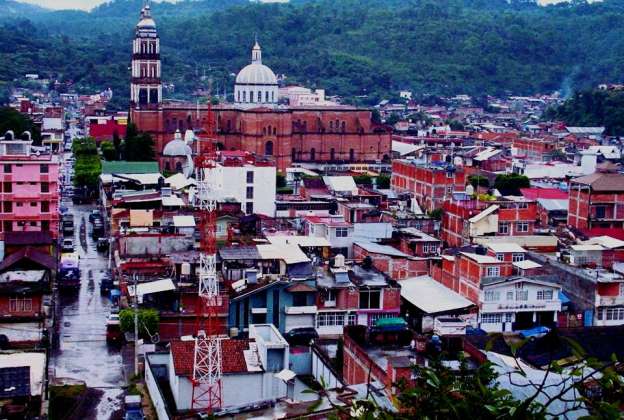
[256,74]
[177,146]
[146,21]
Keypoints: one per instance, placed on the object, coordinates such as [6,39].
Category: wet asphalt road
[83,353]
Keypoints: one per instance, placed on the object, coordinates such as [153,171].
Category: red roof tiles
[232,356]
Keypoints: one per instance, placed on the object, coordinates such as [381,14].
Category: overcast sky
[89,4]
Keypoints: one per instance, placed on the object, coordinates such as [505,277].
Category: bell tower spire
[146,84]
[256,52]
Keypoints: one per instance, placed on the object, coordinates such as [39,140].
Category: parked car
[67,245]
[133,408]
[102,244]
[95,214]
[301,336]
[533,333]
[106,284]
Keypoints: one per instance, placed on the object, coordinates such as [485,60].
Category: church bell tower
[146,84]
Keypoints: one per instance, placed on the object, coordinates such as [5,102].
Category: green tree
[108,150]
[478,181]
[383,182]
[280,180]
[138,146]
[393,118]
[148,321]
[363,179]
[11,119]
[510,184]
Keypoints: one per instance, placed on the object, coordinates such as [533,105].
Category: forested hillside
[349,47]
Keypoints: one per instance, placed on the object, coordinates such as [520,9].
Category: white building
[301,96]
[247,183]
[256,83]
[249,369]
[335,229]
[518,303]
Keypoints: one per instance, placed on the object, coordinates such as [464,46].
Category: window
[517,257]
[250,193]
[7,187]
[509,295]
[493,271]
[492,296]
[342,232]
[33,224]
[329,295]
[44,168]
[249,207]
[491,318]
[33,204]
[45,225]
[332,154]
[351,155]
[522,227]
[544,295]
[45,207]
[299,299]
[509,317]
[370,299]
[268,148]
[503,228]
[8,226]
[7,207]
[500,256]
[600,212]
[522,295]
[8,168]
[330,319]
[250,177]
[352,319]
[614,314]
[313,154]
[621,289]
[430,248]
[19,304]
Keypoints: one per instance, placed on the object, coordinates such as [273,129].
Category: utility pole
[136,327]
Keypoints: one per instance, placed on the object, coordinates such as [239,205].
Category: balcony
[609,300]
[300,310]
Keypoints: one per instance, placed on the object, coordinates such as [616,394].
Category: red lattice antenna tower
[207,355]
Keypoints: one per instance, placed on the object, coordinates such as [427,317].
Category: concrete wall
[154,244]
[152,386]
[322,371]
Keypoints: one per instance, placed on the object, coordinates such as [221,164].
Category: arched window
[332,154]
[274,131]
[181,126]
[264,131]
[189,122]
[313,154]
[244,96]
[293,154]
[272,96]
[167,166]
[238,95]
[259,96]
[331,126]
[266,96]
[351,155]
[268,148]
[343,127]
[178,166]
[305,126]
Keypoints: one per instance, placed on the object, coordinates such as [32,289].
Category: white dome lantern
[256,84]
[177,146]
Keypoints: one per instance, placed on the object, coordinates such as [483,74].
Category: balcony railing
[300,310]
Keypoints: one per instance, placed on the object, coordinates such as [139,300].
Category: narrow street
[83,353]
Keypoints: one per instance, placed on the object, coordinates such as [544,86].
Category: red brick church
[254,122]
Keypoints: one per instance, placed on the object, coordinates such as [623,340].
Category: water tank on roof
[185,269]
[339,261]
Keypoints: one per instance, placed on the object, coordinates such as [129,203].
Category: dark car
[102,244]
[106,284]
[301,336]
[95,215]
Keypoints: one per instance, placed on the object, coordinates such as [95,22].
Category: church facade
[254,122]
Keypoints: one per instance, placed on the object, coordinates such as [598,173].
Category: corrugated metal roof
[381,249]
[430,296]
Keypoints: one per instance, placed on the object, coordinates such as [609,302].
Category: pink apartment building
[29,197]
